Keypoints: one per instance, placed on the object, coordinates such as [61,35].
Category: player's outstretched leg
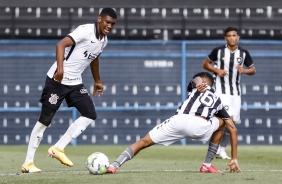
[130,152]
[59,154]
[126,155]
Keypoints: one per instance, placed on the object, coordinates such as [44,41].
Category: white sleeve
[80,33]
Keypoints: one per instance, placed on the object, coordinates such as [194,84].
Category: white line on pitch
[128,171]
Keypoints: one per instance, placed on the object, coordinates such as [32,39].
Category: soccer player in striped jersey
[78,50]
[228,62]
[193,119]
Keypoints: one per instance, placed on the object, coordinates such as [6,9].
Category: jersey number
[207,99]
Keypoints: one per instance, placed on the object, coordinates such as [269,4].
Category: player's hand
[98,89]
[202,87]
[233,166]
[222,73]
[240,69]
[58,76]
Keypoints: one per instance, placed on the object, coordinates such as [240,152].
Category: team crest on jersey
[53,99]
[239,60]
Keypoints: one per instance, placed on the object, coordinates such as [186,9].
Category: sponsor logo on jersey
[53,99]
[72,79]
[83,91]
[90,55]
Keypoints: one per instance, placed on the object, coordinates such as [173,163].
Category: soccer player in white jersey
[227,63]
[78,50]
[193,119]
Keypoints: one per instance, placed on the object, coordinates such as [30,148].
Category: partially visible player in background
[227,63]
[193,119]
[74,53]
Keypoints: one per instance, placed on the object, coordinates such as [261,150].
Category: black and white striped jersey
[223,58]
[205,104]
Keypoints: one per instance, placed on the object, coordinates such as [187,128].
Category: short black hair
[206,75]
[230,29]
[110,12]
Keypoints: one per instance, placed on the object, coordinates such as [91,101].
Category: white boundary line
[130,171]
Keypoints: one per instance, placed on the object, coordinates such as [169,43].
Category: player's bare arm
[98,86]
[208,66]
[233,164]
[60,51]
[249,71]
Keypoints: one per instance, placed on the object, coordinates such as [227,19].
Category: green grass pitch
[155,165]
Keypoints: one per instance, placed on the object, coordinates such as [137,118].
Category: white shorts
[183,126]
[232,105]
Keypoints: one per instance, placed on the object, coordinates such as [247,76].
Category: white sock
[207,164]
[34,141]
[74,130]
[66,138]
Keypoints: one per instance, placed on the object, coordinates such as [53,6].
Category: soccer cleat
[222,155]
[211,169]
[30,168]
[59,154]
[112,169]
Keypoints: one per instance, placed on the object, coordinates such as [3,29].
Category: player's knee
[45,120]
[86,112]
[46,115]
[146,141]
[91,115]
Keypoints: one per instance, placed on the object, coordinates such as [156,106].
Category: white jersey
[77,57]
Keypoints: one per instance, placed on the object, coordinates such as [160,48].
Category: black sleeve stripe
[72,47]
[71,39]
[71,50]
[222,56]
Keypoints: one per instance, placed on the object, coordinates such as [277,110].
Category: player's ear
[99,19]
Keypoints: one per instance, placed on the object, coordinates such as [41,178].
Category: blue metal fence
[158,70]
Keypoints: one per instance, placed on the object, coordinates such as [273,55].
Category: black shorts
[54,93]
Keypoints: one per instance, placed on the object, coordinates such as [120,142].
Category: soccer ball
[97,163]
